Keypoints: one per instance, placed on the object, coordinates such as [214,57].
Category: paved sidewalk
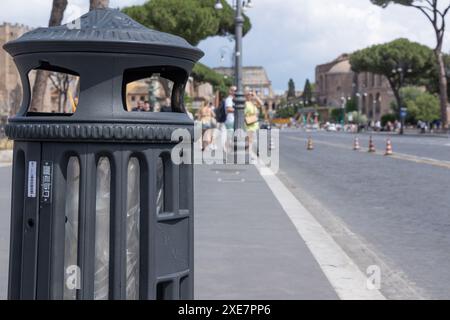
[245,245]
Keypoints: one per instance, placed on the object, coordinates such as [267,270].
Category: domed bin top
[107,50]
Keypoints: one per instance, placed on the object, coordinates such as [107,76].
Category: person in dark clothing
[139,107]
[166,106]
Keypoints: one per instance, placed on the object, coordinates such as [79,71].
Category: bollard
[371,146]
[389,151]
[99,210]
[310,145]
[356,145]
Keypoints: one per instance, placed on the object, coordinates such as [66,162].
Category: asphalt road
[390,212]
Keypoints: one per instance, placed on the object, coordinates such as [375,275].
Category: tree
[383,59]
[61,83]
[15,97]
[193,20]
[356,117]
[286,112]
[351,106]
[202,73]
[421,105]
[436,14]
[291,89]
[307,93]
[425,108]
[432,83]
[98,4]
[40,82]
[336,115]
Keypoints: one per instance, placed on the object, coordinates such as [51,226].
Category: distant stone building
[154,90]
[55,100]
[255,78]
[10,85]
[336,83]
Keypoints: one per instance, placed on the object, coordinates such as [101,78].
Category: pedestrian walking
[229,121]
[221,117]
[252,106]
[378,125]
[207,119]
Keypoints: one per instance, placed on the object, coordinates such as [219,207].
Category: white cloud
[291,37]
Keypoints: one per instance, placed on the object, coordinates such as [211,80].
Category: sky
[289,37]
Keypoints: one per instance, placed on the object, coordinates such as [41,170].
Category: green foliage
[357,117]
[411,93]
[193,20]
[336,115]
[202,73]
[227,17]
[383,58]
[425,107]
[388,117]
[291,89]
[420,105]
[436,13]
[307,93]
[351,106]
[385,3]
[187,99]
[431,80]
[286,112]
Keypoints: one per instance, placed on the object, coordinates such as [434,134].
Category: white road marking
[343,274]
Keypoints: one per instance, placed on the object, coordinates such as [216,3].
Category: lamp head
[218,5]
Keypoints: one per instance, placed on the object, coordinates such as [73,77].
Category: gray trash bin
[98,209]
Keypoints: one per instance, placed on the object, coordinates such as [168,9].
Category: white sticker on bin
[32,165]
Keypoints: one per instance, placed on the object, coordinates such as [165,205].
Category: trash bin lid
[103,30]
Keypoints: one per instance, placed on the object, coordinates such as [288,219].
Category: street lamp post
[344,104]
[360,96]
[343,110]
[239,100]
[401,70]
[374,107]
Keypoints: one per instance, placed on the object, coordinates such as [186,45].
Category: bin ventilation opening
[160,185]
[151,94]
[71,275]
[54,91]
[132,229]
[102,229]
[154,89]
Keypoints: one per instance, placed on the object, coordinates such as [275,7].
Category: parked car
[331,127]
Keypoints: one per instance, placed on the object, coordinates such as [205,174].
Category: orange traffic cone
[389,151]
[371,145]
[356,146]
[310,145]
